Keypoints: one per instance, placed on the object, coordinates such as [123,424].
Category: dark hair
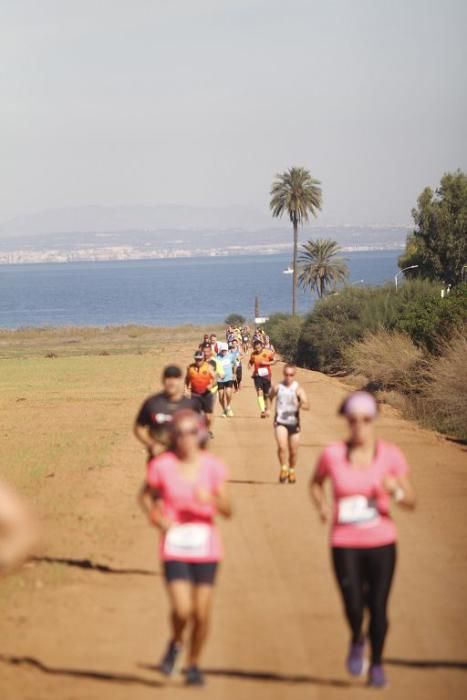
[172,372]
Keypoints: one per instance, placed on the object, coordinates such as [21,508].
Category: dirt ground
[88,619]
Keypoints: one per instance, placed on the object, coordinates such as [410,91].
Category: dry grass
[389,360]
[68,341]
[446,395]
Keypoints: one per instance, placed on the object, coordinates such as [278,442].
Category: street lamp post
[411,267]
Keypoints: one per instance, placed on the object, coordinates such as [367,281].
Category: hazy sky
[203,101]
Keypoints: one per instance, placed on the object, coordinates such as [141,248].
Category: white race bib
[263,372]
[356,510]
[190,539]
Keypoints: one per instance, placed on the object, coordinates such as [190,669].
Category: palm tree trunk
[294,265]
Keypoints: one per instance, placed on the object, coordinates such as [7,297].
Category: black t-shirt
[157,411]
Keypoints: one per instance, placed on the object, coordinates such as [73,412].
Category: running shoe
[284,475]
[263,414]
[292,477]
[169,661]
[194,676]
[377,677]
[211,435]
[230,413]
[355,661]
[267,414]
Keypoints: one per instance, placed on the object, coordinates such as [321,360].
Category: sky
[202,102]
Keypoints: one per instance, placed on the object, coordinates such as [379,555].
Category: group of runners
[186,487]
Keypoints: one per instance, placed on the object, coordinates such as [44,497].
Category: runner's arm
[151,504]
[401,490]
[303,399]
[318,497]
[273,392]
[143,435]
[222,501]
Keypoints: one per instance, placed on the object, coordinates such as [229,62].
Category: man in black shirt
[151,425]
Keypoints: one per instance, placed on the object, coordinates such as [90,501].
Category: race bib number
[191,539]
[356,510]
[263,372]
[288,417]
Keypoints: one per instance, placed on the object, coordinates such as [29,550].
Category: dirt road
[88,620]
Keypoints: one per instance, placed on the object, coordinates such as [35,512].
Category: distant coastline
[132,253]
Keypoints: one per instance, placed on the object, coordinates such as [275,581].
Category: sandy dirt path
[71,632]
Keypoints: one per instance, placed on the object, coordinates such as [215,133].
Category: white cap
[222,346]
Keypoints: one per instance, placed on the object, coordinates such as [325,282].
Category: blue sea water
[162,292]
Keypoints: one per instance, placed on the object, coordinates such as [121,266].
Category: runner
[245,339]
[261,361]
[225,380]
[238,369]
[365,473]
[187,489]
[211,359]
[214,343]
[290,398]
[204,341]
[156,413]
[200,377]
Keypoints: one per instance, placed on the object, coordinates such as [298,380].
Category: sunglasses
[189,432]
[353,420]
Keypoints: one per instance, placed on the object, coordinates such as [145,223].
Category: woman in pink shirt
[365,474]
[188,488]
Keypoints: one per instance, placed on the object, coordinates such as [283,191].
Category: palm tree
[298,194]
[320,268]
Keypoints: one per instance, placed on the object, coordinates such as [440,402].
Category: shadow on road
[92,566]
[251,481]
[428,663]
[123,678]
[270,676]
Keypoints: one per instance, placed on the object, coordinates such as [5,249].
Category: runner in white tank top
[290,399]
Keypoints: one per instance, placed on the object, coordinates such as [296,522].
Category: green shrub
[284,332]
[429,320]
[347,316]
[234,320]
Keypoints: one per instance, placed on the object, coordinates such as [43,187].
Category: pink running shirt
[198,539]
[361,504]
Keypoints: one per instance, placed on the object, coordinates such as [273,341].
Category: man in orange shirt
[200,378]
[261,360]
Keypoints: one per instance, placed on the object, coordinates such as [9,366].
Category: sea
[167,292]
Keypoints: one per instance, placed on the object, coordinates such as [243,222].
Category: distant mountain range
[95,218]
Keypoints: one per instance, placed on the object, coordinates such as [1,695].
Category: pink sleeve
[397,464]
[322,466]
[154,476]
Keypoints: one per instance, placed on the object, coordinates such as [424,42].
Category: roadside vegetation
[409,344]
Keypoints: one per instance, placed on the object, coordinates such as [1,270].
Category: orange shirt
[260,360]
[199,378]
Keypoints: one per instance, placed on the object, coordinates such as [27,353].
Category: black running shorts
[291,429]
[200,573]
[205,401]
[263,384]
[225,385]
